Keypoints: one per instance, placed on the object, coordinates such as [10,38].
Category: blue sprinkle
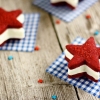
[10,57]
[96,32]
[54,97]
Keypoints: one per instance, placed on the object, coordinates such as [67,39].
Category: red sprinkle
[40,81]
[57,21]
[37,48]
[88,16]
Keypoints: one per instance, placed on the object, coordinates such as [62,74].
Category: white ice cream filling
[82,68]
[74,3]
[13,32]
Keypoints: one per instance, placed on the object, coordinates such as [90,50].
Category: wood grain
[18,78]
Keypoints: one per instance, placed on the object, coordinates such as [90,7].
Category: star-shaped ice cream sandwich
[83,60]
[11,25]
[72,3]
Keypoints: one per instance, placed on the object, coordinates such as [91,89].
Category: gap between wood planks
[61,49]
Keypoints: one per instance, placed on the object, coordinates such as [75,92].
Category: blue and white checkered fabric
[64,12]
[27,44]
[59,69]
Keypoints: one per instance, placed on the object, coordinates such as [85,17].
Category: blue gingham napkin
[27,44]
[59,69]
[64,12]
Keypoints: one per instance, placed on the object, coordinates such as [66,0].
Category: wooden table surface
[18,78]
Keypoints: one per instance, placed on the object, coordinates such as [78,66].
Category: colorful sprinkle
[54,97]
[88,16]
[40,81]
[37,48]
[96,32]
[10,57]
[57,21]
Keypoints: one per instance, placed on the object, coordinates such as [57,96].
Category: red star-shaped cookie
[86,54]
[72,3]
[11,25]
[8,20]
